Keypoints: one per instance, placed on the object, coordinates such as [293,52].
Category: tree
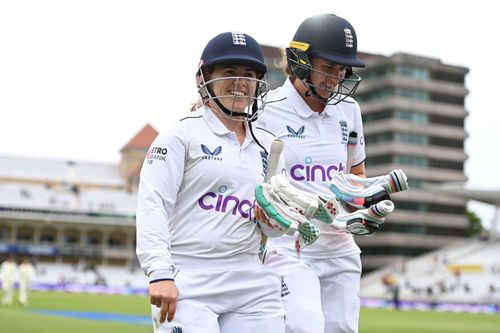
[475,227]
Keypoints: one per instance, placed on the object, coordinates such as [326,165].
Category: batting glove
[365,221]
[283,218]
[331,211]
[362,192]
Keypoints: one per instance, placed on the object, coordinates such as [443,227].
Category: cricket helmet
[233,48]
[328,37]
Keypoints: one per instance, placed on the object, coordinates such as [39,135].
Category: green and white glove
[283,218]
[331,211]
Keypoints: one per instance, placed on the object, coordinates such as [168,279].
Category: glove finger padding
[311,206]
[283,218]
[364,221]
[331,211]
[346,188]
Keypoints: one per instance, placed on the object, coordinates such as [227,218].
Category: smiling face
[234,86]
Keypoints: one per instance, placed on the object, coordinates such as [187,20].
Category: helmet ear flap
[200,83]
[348,72]
[199,78]
[298,62]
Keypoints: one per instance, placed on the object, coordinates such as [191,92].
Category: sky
[78,79]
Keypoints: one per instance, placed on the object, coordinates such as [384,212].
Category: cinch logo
[222,203]
[311,173]
[211,155]
[296,133]
[156,153]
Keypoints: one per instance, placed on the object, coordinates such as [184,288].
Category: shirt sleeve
[160,179]
[359,152]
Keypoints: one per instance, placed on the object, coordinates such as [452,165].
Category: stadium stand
[76,220]
[467,272]
[87,278]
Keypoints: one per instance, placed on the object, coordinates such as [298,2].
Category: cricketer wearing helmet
[314,120]
[197,240]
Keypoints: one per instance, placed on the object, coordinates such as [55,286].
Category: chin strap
[334,95]
[311,91]
[226,110]
[242,114]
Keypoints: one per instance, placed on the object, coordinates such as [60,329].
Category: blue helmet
[233,48]
[227,49]
[328,37]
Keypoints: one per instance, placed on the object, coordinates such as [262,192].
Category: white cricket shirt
[315,147]
[196,195]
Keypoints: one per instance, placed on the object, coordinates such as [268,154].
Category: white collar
[299,104]
[216,125]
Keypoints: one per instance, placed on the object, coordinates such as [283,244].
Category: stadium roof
[489,196]
[59,171]
[39,198]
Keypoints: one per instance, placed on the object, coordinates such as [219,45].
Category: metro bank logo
[222,203]
[156,153]
[311,172]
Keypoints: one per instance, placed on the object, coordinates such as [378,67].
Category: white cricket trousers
[24,289]
[8,289]
[239,297]
[319,295]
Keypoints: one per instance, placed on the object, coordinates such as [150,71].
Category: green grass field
[392,321]
[18,319]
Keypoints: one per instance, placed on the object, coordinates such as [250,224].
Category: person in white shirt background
[314,120]
[8,277]
[197,239]
[26,274]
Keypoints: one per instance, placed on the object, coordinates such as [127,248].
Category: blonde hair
[282,63]
[196,105]
[199,103]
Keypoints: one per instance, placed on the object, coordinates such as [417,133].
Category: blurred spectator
[8,275]
[492,297]
[395,296]
[433,295]
[392,285]
[26,275]
[457,274]
[100,280]
[61,281]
